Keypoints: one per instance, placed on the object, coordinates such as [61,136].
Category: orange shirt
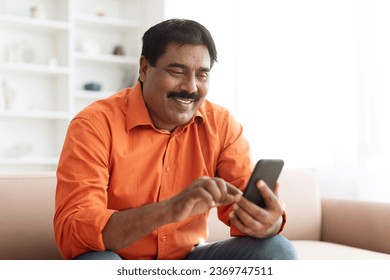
[114,158]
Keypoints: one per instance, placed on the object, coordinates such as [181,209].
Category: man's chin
[184,119]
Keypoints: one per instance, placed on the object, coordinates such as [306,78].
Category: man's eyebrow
[183,66]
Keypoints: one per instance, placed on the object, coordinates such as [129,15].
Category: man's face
[176,87]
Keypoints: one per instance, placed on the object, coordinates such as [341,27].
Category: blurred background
[309,80]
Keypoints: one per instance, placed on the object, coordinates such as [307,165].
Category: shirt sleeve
[235,166]
[235,163]
[81,196]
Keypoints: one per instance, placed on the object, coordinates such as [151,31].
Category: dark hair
[180,32]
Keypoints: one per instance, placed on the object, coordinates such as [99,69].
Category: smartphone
[267,170]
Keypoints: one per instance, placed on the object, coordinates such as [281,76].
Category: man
[140,170]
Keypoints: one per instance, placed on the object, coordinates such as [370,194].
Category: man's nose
[189,84]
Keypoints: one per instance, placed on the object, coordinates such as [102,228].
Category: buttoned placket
[163,234]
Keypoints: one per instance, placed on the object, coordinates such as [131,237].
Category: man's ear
[143,67]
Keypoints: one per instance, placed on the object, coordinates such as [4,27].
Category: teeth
[184,101]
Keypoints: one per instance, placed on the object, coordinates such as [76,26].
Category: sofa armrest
[26,217]
[358,224]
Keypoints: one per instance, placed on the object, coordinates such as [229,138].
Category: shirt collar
[137,114]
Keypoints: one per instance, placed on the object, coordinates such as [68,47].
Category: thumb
[276,189]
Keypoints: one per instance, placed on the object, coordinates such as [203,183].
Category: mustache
[184,94]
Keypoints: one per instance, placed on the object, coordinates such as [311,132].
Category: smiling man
[140,170]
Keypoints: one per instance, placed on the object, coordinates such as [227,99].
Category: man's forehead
[184,56]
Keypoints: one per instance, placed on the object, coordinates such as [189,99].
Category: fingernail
[261,183]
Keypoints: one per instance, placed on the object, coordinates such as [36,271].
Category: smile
[183,97]
[183,100]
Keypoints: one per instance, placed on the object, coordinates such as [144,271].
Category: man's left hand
[255,221]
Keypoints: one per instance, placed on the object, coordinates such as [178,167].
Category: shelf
[91,95]
[33,24]
[106,58]
[28,161]
[34,68]
[99,22]
[45,64]
[35,115]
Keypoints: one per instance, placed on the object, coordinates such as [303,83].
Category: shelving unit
[49,50]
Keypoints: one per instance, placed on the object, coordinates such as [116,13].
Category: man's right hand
[127,226]
[202,195]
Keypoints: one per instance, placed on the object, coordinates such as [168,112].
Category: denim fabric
[240,248]
[246,248]
[105,255]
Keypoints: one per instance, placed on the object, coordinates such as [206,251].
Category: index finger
[232,190]
[221,184]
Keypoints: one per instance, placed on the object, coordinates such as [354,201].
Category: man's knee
[104,255]
[246,248]
[274,248]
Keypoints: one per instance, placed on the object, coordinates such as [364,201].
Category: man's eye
[203,76]
[176,73]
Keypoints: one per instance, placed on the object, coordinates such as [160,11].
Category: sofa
[320,228]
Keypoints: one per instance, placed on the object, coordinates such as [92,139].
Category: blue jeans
[240,248]
[246,248]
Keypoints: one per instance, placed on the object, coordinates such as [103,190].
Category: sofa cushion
[26,217]
[300,192]
[319,250]
[217,230]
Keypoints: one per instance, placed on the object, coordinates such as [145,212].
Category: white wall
[309,82]
[222,25]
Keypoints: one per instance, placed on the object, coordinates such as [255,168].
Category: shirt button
[164,238]
[168,169]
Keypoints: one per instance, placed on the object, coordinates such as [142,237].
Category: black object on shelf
[92,86]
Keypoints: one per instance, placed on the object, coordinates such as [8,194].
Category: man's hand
[127,226]
[255,221]
[201,195]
